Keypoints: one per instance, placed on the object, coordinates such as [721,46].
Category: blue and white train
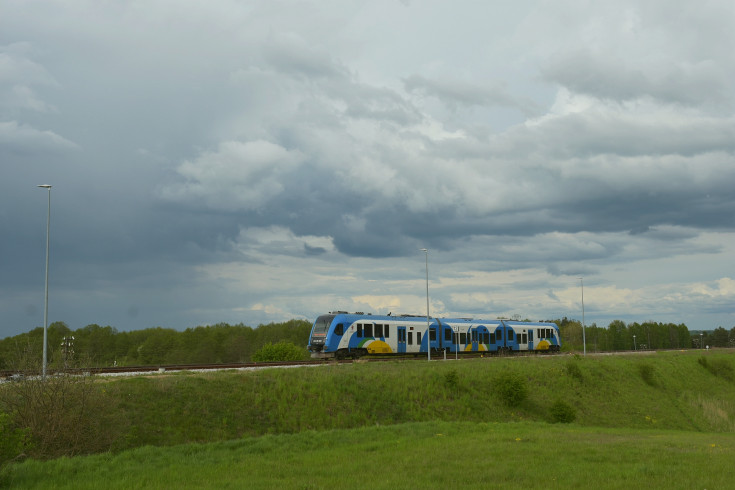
[340,334]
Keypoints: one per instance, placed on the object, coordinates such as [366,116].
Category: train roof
[422,318]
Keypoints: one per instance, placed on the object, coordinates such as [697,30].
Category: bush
[452,379]
[647,373]
[13,440]
[718,367]
[562,412]
[512,388]
[280,352]
[573,370]
[63,415]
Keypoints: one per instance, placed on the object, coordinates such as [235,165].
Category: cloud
[20,138]
[237,176]
[251,162]
[19,74]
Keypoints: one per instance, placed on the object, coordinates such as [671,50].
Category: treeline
[642,336]
[99,346]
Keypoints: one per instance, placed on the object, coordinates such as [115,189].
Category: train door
[433,341]
[448,341]
[473,338]
[413,340]
[522,339]
[401,340]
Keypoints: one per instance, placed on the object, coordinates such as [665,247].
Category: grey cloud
[613,78]
[288,53]
[194,167]
[21,138]
[455,92]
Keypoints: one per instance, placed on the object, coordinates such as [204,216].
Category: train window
[510,335]
[486,338]
[499,333]
[386,331]
[524,338]
[492,338]
[378,330]
[368,330]
[339,329]
[410,338]
[447,335]
[359,329]
[432,334]
[463,338]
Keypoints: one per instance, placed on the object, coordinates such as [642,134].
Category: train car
[340,335]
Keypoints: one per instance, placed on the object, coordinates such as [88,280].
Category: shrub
[573,370]
[562,412]
[14,441]
[512,388]
[718,367]
[63,415]
[452,379]
[282,351]
[647,373]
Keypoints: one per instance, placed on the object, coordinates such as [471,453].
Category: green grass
[413,455]
[665,419]
[667,391]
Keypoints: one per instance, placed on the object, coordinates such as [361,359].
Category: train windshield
[321,325]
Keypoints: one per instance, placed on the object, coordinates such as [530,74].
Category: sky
[257,161]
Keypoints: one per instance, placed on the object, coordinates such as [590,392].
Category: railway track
[6,375]
[163,368]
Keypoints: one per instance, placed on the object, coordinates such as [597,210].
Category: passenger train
[340,334]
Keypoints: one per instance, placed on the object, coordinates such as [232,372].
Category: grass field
[412,455]
[663,420]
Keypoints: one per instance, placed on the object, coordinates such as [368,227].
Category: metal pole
[428,327]
[584,340]
[45,306]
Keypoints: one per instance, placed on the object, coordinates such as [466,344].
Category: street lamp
[45,307]
[584,341]
[634,346]
[701,341]
[428,327]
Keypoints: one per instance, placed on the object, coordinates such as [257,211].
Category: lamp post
[634,346]
[45,304]
[584,341]
[428,327]
[701,341]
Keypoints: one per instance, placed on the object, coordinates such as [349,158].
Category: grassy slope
[607,391]
[413,455]
[636,393]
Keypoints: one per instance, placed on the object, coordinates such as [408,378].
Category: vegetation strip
[689,391]
[412,455]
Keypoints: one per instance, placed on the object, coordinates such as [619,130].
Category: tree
[618,332]
[720,337]
[282,351]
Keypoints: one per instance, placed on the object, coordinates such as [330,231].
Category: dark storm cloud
[267,161]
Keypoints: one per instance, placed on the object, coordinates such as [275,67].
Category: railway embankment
[680,390]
